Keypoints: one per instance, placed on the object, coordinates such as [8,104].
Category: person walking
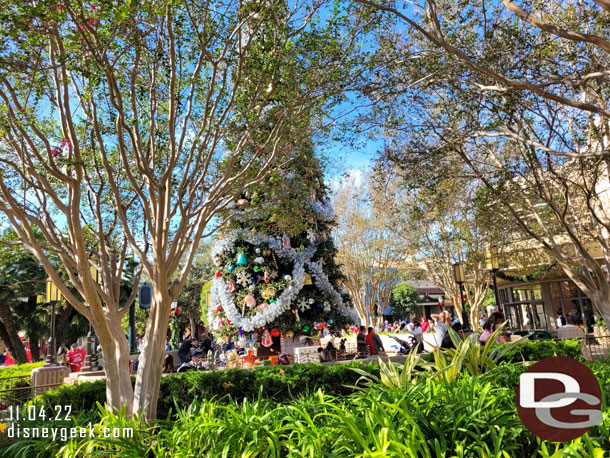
[374,341]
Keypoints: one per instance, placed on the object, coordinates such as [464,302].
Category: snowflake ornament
[243,279]
[311,236]
[302,304]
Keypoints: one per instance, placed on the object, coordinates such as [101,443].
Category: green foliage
[82,396]
[404,299]
[540,349]
[16,371]
[470,417]
[392,375]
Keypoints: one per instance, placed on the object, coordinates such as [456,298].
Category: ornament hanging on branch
[243,279]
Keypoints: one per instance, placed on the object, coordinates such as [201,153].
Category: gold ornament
[308,280]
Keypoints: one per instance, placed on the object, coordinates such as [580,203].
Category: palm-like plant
[392,374]
[469,355]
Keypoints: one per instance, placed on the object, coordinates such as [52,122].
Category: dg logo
[559,399]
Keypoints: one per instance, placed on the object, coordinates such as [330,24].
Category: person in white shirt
[416,331]
[560,320]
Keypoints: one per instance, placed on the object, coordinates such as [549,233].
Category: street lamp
[460,278]
[90,363]
[491,255]
[53,295]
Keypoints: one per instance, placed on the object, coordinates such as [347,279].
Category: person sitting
[374,342]
[361,344]
[168,364]
[75,358]
[185,349]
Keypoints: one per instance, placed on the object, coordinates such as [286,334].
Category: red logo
[559,399]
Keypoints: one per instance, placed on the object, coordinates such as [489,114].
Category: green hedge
[19,370]
[277,383]
[282,383]
[540,349]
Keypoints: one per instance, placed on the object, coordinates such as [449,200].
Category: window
[527,293]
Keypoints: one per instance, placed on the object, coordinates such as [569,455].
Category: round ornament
[218,274]
[257,251]
[289,334]
[287,277]
[305,328]
[275,332]
[311,300]
[242,202]
[249,301]
[230,268]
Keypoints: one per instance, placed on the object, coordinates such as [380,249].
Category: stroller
[405,346]
[196,361]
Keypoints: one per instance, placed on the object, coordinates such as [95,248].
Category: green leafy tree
[405,300]
[132,126]
[526,114]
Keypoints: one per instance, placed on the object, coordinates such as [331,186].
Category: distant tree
[368,253]
[404,300]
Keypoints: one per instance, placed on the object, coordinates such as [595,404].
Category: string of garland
[529,277]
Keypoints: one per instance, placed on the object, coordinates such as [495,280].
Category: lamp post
[491,255]
[460,278]
[53,295]
[90,363]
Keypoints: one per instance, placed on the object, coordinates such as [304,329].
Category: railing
[595,348]
[19,390]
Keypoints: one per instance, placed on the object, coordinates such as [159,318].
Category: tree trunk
[34,350]
[150,367]
[6,338]
[193,328]
[6,316]
[115,348]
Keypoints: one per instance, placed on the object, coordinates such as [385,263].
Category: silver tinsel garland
[220,295]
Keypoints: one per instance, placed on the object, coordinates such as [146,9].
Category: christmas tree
[275,260]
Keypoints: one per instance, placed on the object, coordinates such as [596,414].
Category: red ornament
[177,310]
[218,309]
[275,332]
[229,321]
[218,274]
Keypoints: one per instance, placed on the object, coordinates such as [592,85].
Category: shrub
[540,349]
[16,371]
[277,383]
[82,396]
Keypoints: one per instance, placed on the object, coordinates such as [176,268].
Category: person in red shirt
[374,342]
[75,358]
[424,324]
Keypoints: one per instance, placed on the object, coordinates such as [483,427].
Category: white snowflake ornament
[302,304]
[243,279]
[311,236]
